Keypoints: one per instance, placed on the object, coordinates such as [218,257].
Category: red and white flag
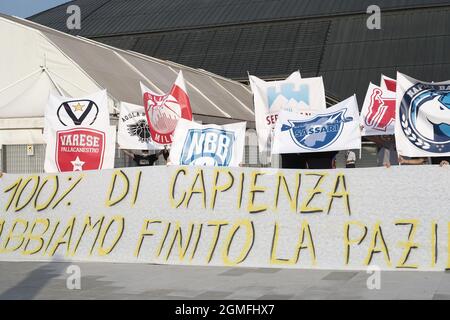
[163,111]
[388,84]
[78,134]
[378,112]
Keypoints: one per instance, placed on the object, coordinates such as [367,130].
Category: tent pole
[70,82]
[54,83]
[240,102]
[21,80]
[139,73]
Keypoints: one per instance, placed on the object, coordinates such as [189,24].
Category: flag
[133,129]
[422,127]
[388,84]
[334,129]
[378,112]
[78,134]
[208,145]
[293,94]
[163,111]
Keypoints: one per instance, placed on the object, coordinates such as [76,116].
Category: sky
[26,8]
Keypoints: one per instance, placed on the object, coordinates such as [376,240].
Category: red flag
[163,111]
[388,84]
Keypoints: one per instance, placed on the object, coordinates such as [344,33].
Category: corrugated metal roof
[325,37]
[415,42]
[120,72]
[112,17]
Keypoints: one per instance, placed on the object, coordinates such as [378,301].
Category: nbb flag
[208,145]
[133,129]
[293,94]
[164,111]
[78,134]
[335,129]
[378,112]
[422,128]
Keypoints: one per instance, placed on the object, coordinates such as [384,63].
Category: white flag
[78,134]
[422,128]
[163,111]
[208,145]
[335,129]
[293,94]
[133,131]
[378,112]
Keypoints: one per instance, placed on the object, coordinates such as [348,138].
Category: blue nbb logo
[208,147]
[288,91]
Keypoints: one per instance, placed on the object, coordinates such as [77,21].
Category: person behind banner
[412,161]
[315,160]
[386,150]
[442,161]
[144,159]
[350,159]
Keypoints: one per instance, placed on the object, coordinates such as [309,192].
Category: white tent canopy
[36,61]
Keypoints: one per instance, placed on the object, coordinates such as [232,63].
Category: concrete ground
[26,280]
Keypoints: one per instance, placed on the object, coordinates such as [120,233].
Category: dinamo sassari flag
[334,129]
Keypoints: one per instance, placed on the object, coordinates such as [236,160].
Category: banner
[133,130]
[378,112]
[231,217]
[423,118]
[163,111]
[335,129]
[78,134]
[208,145]
[293,94]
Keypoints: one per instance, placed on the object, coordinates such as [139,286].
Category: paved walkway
[132,281]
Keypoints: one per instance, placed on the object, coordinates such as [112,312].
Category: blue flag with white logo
[335,129]
[422,127]
[208,145]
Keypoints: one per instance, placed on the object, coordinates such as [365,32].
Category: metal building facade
[271,39]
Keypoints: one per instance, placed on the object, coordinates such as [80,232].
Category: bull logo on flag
[425,117]
[208,147]
[381,113]
[79,149]
[78,112]
[163,111]
[319,132]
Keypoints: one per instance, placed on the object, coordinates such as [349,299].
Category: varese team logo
[81,147]
[425,117]
[319,132]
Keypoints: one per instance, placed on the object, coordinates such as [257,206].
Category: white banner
[293,94]
[335,129]
[208,145]
[423,118]
[378,112]
[133,131]
[78,134]
[395,219]
[163,111]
